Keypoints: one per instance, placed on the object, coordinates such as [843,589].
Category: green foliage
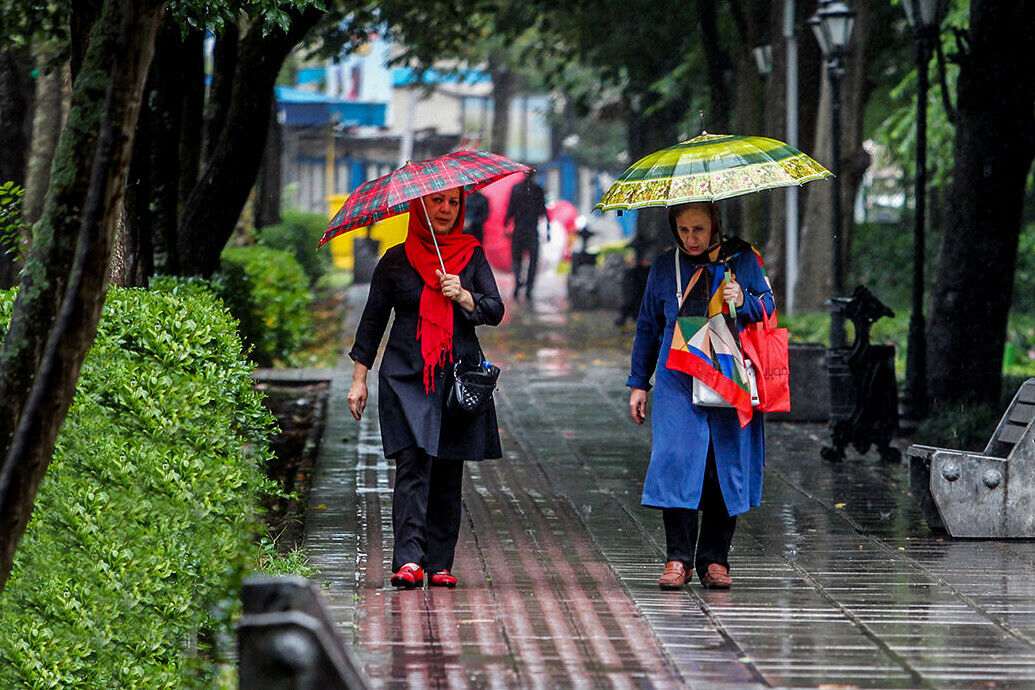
[216,14]
[1024,278]
[967,427]
[299,233]
[24,21]
[807,327]
[898,129]
[267,291]
[145,520]
[1018,356]
[12,226]
[882,260]
[271,561]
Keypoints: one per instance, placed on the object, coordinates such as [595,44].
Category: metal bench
[287,639]
[982,495]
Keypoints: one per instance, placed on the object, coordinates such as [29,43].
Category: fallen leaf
[840,505]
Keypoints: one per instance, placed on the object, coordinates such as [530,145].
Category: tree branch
[950,111]
[212,210]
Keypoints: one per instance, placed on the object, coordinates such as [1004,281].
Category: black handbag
[473,385]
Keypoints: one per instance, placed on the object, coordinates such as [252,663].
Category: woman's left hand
[733,292]
[452,289]
[450,285]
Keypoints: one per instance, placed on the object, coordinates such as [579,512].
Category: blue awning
[311,75]
[300,108]
[407,76]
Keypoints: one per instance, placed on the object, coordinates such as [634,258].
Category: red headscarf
[435,325]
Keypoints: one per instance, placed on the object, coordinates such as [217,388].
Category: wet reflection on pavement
[837,580]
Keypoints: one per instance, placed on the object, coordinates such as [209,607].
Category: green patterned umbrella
[708,168]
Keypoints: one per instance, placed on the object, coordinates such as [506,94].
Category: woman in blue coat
[702,460]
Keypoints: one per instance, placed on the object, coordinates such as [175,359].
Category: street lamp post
[832,25]
[925,16]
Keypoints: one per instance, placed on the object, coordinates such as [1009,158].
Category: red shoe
[442,578]
[409,576]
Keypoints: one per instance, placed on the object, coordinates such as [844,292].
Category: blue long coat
[680,429]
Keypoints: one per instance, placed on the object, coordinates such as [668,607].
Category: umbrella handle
[732,306]
[433,238]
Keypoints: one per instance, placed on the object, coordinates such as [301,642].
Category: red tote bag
[766,346]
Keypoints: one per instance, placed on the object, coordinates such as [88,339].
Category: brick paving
[837,581]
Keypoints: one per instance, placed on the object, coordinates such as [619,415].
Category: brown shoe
[717,577]
[675,576]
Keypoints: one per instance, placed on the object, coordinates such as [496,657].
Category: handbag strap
[768,323]
[682,295]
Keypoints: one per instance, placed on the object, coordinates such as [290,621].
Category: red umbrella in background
[563,213]
[494,238]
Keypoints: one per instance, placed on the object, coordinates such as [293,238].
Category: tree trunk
[221,90]
[995,143]
[192,117]
[717,66]
[502,93]
[81,18]
[775,125]
[267,193]
[214,206]
[62,292]
[165,110]
[751,213]
[815,279]
[855,95]
[16,106]
[45,131]
[651,128]
[136,230]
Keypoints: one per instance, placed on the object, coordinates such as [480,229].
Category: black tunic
[408,414]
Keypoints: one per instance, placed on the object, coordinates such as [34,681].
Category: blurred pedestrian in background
[526,206]
[476,212]
[634,281]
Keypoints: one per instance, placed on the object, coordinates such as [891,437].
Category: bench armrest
[923,452]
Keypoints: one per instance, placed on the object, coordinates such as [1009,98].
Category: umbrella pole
[433,238]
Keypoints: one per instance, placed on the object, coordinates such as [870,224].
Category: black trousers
[712,545]
[517,257]
[425,510]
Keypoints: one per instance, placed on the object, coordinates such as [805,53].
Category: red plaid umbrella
[390,194]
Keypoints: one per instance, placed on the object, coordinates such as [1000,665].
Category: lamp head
[763,55]
[925,14]
[832,24]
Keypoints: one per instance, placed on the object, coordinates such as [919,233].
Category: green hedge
[12,225]
[146,519]
[882,260]
[267,292]
[299,233]
[1018,355]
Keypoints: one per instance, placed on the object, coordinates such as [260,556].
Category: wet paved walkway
[837,581]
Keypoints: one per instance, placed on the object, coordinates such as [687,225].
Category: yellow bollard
[389,232]
[341,246]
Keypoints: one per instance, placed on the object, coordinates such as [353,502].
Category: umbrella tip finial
[700,114]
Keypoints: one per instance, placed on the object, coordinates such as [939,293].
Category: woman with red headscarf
[435,316]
